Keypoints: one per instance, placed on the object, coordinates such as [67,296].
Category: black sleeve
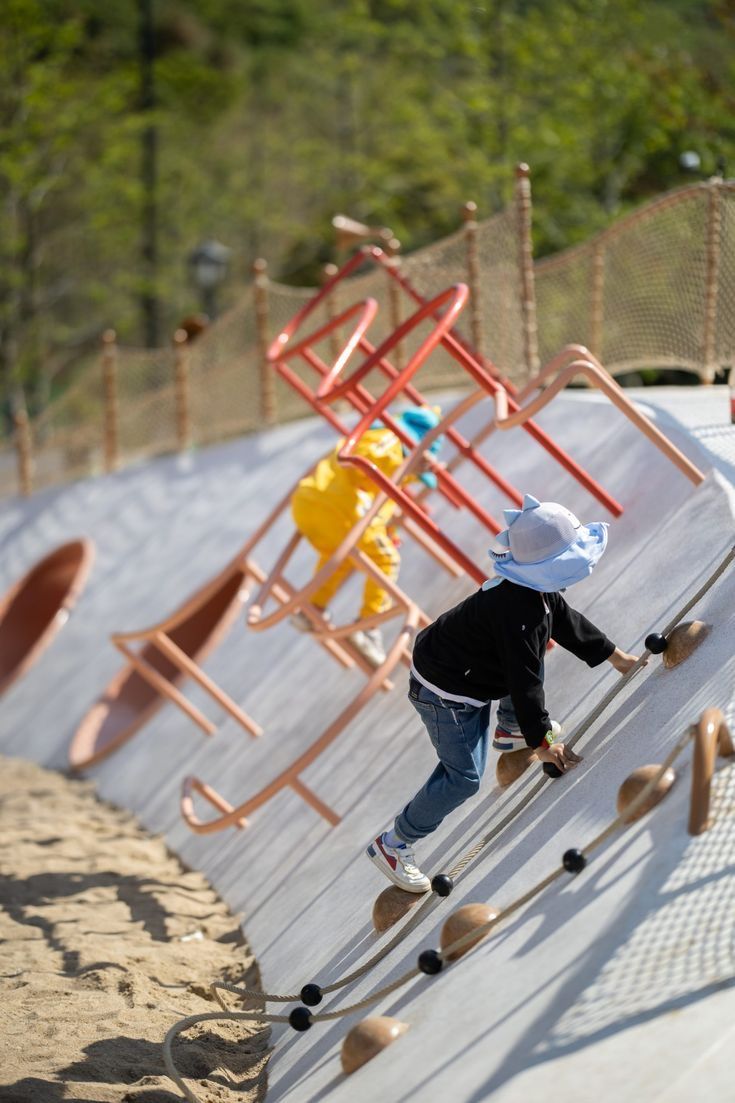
[522,654]
[575,633]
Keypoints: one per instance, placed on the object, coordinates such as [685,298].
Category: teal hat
[416,422]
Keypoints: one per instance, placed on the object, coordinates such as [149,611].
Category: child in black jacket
[491,647]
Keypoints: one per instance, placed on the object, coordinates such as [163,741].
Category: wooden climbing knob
[683,640]
[392,904]
[462,922]
[634,785]
[368,1038]
[512,764]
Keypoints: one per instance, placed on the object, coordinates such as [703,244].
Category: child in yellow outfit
[330,501]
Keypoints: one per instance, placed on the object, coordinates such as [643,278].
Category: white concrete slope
[618,980]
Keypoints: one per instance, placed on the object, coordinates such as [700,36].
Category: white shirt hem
[444,694]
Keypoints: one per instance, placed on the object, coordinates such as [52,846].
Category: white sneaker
[370,645]
[398,864]
[301,622]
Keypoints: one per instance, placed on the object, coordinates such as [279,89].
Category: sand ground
[106,941]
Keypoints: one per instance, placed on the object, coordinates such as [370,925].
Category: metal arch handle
[711,734]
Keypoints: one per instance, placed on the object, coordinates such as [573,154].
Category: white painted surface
[614,982]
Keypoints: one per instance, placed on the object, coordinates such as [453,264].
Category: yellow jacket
[346,490]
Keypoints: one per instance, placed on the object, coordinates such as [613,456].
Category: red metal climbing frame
[443,310]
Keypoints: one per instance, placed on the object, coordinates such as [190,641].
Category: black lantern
[208,264]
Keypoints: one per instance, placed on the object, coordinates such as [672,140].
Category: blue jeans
[505,716]
[459,734]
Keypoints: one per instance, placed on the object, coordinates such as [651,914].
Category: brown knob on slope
[462,922]
[368,1038]
[635,783]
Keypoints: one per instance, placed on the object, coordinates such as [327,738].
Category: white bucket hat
[545,547]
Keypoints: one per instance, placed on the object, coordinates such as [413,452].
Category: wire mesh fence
[654,290]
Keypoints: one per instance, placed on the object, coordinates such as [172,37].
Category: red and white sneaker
[398,864]
[505,740]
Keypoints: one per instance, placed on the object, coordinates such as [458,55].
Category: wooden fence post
[267,378]
[24,451]
[111,410]
[714,249]
[392,249]
[528,287]
[181,390]
[469,213]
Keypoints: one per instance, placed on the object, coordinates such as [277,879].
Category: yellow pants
[325,529]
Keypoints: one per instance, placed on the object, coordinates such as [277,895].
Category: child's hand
[558,755]
[623,662]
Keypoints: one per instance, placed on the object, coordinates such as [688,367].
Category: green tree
[272,115]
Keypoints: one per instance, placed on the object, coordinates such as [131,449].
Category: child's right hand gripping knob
[556,757]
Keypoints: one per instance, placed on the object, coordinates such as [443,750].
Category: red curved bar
[278,346]
[367,309]
[456,296]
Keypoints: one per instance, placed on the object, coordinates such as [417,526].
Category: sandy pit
[106,941]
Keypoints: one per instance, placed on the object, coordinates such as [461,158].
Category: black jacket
[493,644]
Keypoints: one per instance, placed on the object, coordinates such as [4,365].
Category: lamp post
[208,265]
[690,161]
[148,174]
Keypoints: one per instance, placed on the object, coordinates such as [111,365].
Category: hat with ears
[545,547]
[416,422]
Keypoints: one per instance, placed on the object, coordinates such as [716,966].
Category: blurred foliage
[272,115]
